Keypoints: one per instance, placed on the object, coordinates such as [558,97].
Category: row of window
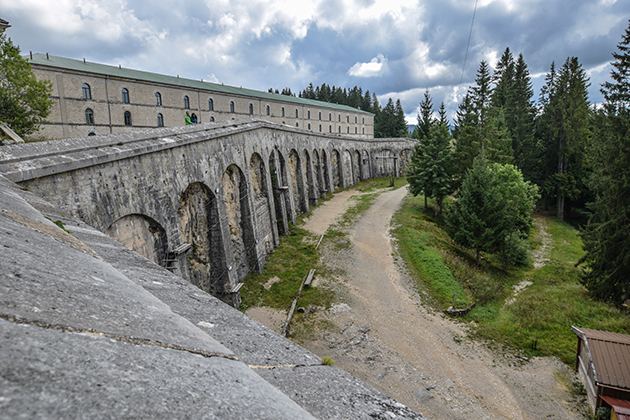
[87,94]
[330,129]
[89,118]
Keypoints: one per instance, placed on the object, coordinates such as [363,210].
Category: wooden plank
[290,315]
[309,278]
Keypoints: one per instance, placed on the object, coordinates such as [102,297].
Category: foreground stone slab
[52,374]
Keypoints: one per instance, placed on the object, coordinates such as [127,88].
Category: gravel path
[385,336]
[381,333]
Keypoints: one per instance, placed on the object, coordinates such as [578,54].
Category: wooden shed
[603,364]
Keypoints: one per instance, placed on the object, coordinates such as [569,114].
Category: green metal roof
[113,71]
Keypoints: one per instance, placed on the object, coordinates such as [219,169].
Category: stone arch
[295,171]
[279,188]
[357,168]
[365,165]
[335,165]
[319,177]
[311,181]
[239,221]
[385,163]
[404,159]
[261,202]
[200,227]
[143,235]
[348,176]
[325,172]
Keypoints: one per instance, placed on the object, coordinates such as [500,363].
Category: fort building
[91,99]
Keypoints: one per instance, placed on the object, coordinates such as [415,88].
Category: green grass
[539,321]
[296,255]
[290,262]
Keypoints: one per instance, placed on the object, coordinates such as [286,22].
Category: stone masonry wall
[208,186]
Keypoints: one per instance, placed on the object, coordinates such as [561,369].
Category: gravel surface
[381,333]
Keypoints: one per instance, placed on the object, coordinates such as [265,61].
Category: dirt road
[384,335]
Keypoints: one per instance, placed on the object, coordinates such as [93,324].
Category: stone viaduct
[208,202]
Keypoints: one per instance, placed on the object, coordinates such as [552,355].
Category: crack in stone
[254,367]
[116,337]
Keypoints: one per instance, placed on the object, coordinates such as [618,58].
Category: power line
[468,45]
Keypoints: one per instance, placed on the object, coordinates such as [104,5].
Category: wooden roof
[610,353]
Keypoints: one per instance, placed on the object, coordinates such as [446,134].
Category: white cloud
[376,67]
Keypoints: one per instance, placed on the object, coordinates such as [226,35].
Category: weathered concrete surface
[55,375]
[91,329]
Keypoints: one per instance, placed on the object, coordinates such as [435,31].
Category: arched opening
[200,227]
[319,179]
[279,189]
[365,165]
[385,163]
[356,166]
[143,235]
[261,202]
[335,166]
[404,159]
[325,173]
[348,169]
[295,171]
[239,221]
[311,184]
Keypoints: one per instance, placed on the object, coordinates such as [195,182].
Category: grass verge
[539,321]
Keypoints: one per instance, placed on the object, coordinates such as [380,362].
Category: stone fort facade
[91,99]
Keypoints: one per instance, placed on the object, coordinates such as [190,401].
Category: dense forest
[389,121]
[507,153]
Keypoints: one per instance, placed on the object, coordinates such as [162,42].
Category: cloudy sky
[394,48]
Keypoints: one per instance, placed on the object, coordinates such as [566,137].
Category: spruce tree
[400,124]
[521,125]
[477,219]
[425,117]
[571,114]
[607,234]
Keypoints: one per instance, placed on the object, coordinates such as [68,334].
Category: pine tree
[431,169]
[617,92]
[481,96]
[467,136]
[607,234]
[425,117]
[521,125]
[477,220]
[503,79]
[498,145]
[443,120]
[545,132]
[400,124]
[572,130]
